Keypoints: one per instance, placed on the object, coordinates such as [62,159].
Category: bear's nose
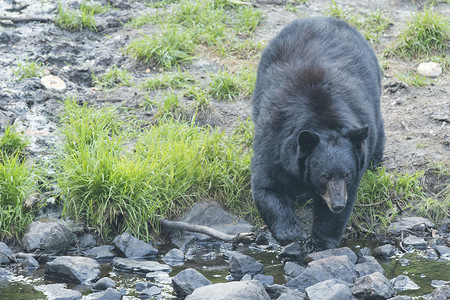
[337,208]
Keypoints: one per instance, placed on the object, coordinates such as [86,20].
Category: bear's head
[332,162]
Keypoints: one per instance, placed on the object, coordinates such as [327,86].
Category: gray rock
[246,277]
[48,235]
[441,293]
[410,224]
[368,267]
[139,266]
[101,252]
[335,267]
[182,242]
[30,263]
[5,254]
[150,292]
[332,252]
[131,247]
[235,290]
[73,269]
[58,291]
[276,290]
[444,252]
[430,254]
[400,298]
[430,69]
[5,275]
[241,264]
[373,286]
[292,250]
[294,295]
[87,240]
[159,277]
[103,284]
[211,214]
[438,283]
[414,242]
[140,286]
[403,283]
[329,290]
[364,252]
[384,251]
[264,279]
[174,257]
[292,269]
[185,282]
[108,294]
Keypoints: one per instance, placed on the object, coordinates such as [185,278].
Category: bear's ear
[358,135]
[307,141]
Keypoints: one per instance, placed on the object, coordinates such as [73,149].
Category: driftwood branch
[240,237]
[24,19]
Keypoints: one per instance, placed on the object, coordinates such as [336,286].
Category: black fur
[316,109]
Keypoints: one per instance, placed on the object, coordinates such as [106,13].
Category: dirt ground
[416,119]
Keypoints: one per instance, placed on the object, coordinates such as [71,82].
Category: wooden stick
[240,237]
[23,20]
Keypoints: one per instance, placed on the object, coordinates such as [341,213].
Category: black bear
[318,127]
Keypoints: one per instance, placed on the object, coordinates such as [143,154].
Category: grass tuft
[112,77]
[77,19]
[169,80]
[414,79]
[28,69]
[13,142]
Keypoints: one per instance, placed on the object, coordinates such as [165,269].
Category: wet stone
[58,291]
[102,252]
[158,277]
[5,254]
[174,257]
[249,290]
[30,262]
[335,267]
[87,240]
[264,279]
[108,294]
[384,251]
[139,266]
[364,252]
[329,290]
[414,242]
[185,282]
[368,267]
[246,277]
[410,224]
[103,284]
[438,283]
[431,254]
[132,247]
[5,274]
[403,283]
[332,252]
[442,292]
[373,286]
[241,264]
[400,298]
[73,269]
[292,269]
[182,242]
[444,252]
[150,292]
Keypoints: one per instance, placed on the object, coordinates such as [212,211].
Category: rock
[108,294]
[159,277]
[444,252]
[87,240]
[235,290]
[102,252]
[335,267]
[182,242]
[185,282]
[403,283]
[211,214]
[5,254]
[373,286]
[430,69]
[368,267]
[103,284]
[411,224]
[140,286]
[174,257]
[5,275]
[241,264]
[30,263]
[400,298]
[292,250]
[329,290]
[414,242]
[150,292]
[292,269]
[6,118]
[276,290]
[139,266]
[131,247]
[364,252]
[332,252]
[246,277]
[441,293]
[53,83]
[264,279]
[438,283]
[49,235]
[58,291]
[384,251]
[73,269]
[292,296]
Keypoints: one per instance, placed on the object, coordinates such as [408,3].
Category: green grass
[28,69]
[13,142]
[170,48]
[173,80]
[426,34]
[118,181]
[382,195]
[247,19]
[78,19]
[198,94]
[112,77]
[413,79]
[226,86]
[141,20]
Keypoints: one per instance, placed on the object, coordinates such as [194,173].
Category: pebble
[51,82]
[430,69]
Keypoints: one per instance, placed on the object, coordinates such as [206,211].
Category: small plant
[199,96]
[247,80]
[139,21]
[247,19]
[170,48]
[224,86]
[168,80]
[426,34]
[28,69]
[413,79]
[77,19]
[13,142]
[112,77]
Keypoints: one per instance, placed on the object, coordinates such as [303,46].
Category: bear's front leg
[277,211]
[328,227]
